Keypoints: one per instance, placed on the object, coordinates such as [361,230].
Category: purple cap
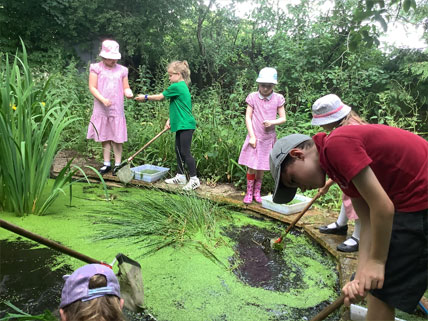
[76,285]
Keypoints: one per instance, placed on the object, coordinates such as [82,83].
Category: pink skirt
[107,128]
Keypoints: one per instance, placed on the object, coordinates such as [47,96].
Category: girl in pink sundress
[108,83]
[263,106]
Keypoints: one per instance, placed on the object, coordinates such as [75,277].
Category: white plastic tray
[150,178]
[284,208]
[358,313]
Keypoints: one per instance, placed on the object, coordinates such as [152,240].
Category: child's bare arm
[127,91]
[93,88]
[363,212]
[249,123]
[378,225]
[142,97]
[280,120]
[352,289]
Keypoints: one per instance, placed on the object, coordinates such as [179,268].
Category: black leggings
[183,141]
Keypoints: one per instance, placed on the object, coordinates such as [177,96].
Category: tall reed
[30,129]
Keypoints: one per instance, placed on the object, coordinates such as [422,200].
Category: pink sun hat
[328,109]
[110,50]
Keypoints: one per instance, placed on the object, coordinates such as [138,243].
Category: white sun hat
[268,75]
[328,109]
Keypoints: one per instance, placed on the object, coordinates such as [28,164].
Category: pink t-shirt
[398,158]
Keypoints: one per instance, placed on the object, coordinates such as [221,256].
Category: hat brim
[266,81]
[282,194]
[110,56]
[320,121]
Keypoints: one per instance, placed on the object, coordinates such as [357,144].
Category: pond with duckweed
[205,261]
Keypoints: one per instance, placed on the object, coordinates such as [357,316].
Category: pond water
[249,281]
[148,171]
[27,281]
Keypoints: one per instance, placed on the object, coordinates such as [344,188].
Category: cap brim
[266,81]
[283,195]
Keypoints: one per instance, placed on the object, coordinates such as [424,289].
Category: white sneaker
[192,184]
[179,179]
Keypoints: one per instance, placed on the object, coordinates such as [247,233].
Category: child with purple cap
[108,83]
[92,292]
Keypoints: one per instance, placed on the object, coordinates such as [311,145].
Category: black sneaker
[105,169]
[115,170]
[338,230]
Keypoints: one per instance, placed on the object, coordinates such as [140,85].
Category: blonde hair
[181,67]
[351,117]
[105,308]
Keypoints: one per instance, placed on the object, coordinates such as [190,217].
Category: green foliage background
[315,54]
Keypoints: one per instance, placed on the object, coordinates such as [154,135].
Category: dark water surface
[261,266]
[26,280]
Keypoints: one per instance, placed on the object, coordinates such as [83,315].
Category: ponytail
[181,67]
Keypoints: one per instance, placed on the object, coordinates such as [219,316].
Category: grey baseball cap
[277,155]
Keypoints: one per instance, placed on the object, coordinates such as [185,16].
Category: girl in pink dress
[262,109]
[108,83]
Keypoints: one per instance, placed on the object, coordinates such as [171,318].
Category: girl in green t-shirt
[180,121]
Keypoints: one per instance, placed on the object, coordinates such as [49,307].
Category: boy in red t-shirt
[385,172]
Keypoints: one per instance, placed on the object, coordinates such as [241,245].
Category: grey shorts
[406,269]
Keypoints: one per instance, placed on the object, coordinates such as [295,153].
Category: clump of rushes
[30,130]
[167,218]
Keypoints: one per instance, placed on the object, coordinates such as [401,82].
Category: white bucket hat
[110,50]
[328,109]
[268,75]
